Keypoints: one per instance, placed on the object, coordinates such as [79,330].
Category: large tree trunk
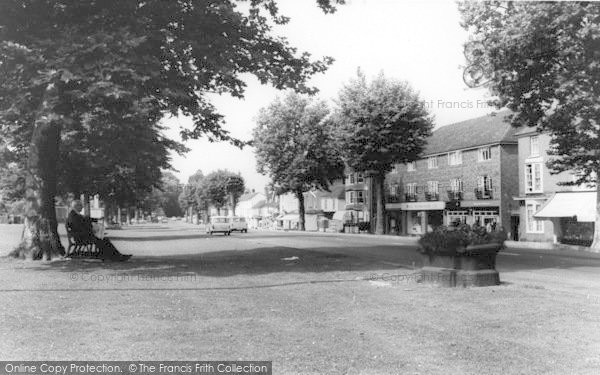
[301,221]
[380,204]
[40,237]
[596,244]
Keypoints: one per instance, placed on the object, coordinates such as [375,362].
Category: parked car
[219,224]
[239,224]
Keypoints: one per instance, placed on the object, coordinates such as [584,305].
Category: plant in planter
[461,256]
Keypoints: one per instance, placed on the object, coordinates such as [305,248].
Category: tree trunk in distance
[128,215]
[118,215]
[379,220]
[596,243]
[301,221]
[85,199]
[40,237]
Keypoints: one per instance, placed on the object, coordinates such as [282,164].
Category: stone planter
[475,266]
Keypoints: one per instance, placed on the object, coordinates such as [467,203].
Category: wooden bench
[79,247]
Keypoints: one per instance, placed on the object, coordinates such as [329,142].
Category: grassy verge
[308,316]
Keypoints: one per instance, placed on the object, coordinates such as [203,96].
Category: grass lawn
[310,315]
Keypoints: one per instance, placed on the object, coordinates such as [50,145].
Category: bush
[444,240]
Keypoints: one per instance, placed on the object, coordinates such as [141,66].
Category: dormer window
[455,158]
[534,145]
[432,162]
[484,154]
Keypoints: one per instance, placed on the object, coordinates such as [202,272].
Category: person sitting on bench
[82,230]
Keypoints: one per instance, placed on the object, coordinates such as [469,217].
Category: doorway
[514,227]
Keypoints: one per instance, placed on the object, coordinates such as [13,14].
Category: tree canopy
[294,146]
[541,60]
[222,188]
[70,69]
[379,124]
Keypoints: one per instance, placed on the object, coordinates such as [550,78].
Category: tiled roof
[247,196]
[526,130]
[264,203]
[337,191]
[475,132]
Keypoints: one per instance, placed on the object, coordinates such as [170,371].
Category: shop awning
[422,206]
[581,204]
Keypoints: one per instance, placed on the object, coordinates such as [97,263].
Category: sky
[417,41]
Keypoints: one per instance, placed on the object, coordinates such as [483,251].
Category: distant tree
[222,188]
[541,60]
[379,124]
[165,197]
[235,187]
[190,196]
[66,64]
[294,147]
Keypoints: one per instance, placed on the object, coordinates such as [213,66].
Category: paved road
[577,273]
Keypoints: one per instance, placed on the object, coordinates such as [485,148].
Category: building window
[534,145]
[533,225]
[432,162]
[360,197]
[456,185]
[410,194]
[432,187]
[485,153]
[484,187]
[455,158]
[411,167]
[360,178]
[349,197]
[432,192]
[484,183]
[352,178]
[353,197]
[533,178]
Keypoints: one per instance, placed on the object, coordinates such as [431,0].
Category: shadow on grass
[227,263]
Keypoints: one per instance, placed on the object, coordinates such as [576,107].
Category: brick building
[466,174]
[359,197]
[551,212]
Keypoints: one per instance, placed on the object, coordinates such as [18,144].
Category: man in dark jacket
[83,231]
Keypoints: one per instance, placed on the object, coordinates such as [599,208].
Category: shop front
[485,213]
[418,218]
[573,216]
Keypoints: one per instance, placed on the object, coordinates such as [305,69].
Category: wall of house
[500,168]
[360,211]
[550,184]
[288,203]
[469,172]
[509,184]
[244,208]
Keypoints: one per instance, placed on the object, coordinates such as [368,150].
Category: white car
[219,224]
[239,224]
